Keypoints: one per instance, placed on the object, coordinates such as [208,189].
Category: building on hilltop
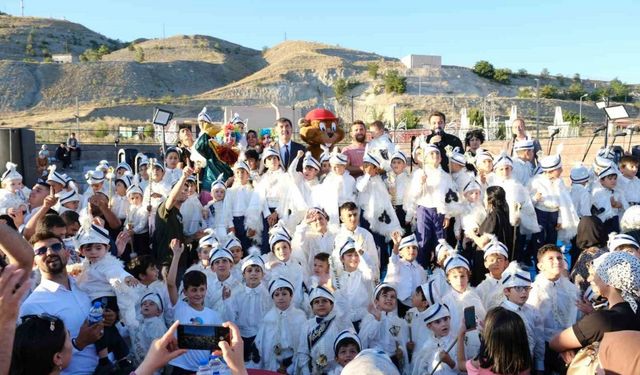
[422,61]
[64,58]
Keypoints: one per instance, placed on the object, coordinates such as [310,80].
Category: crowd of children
[315,266]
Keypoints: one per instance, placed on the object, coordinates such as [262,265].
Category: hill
[34,38]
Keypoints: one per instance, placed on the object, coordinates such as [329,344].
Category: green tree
[600,93]
[28,50]
[548,92]
[619,91]
[525,92]
[90,55]
[139,54]
[502,75]
[148,131]
[410,118]
[545,73]
[576,78]
[484,69]
[103,50]
[340,88]
[372,69]
[476,116]
[575,91]
[394,82]
[572,117]
[560,78]
[522,72]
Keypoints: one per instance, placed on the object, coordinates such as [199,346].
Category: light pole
[580,118]
[352,117]
[537,108]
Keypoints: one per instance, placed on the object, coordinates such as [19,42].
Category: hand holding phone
[202,337]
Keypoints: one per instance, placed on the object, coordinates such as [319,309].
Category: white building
[422,61]
[64,58]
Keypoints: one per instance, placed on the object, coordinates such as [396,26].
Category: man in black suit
[287,148]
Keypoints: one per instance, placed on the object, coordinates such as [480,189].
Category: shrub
[545,73]
[102,130]
[394,82]
[372,69]
[139,54]
[149,131]
[575,91]
[572,117]
[410,118]
[522,72]
[525,92]
[484,69]
[502,75]
[477,116]
[548,92]
[341,86]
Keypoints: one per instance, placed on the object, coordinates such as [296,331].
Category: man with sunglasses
[57,295]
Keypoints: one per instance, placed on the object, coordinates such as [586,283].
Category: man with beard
[57,295]
[355,151]
[185,142]
[437,136]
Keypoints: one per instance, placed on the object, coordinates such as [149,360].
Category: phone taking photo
[202,337]
[470,318]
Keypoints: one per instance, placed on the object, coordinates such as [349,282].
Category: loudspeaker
[19,146]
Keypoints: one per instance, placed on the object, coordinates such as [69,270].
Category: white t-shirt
[188,315]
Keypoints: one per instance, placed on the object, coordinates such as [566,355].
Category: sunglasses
[49,318]
[43,250]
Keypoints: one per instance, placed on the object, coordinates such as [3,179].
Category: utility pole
[22,8]
[537,108]
[352,117]
[77,117]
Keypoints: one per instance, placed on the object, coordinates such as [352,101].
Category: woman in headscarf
[615,276]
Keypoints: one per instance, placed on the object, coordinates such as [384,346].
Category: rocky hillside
[34,38]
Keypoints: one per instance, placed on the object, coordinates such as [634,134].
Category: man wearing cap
[355,151]
[287,148]
[58,295]
[437,136]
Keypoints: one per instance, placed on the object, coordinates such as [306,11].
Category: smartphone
[202,337]
[470,317]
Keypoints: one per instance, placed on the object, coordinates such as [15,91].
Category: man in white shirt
[58,295]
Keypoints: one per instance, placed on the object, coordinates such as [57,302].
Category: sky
[597,39]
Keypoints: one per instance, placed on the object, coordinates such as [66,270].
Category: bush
[572,117]
[484,69]
[575,91]
[545,73]
[372,69]
[619,91]
[549,92]
[48,59]
[477,116]
[139,54]
[560,79]
[102,130]
[522,72]
[341,86]
[410,118]
[502,75]
[394,82]
[525,92]
[149,131]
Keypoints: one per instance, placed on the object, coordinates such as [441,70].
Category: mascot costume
[320,129]
[210,155]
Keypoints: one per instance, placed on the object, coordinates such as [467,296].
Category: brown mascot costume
[320,127]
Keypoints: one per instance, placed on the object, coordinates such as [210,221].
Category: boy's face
[386,301]
[375,131]
[150,275]
[554,174]
[321,306]
[351,260]
[350,218]
[629,249]
[241,175]
[272,163]
[338,169]
[218,194]
[171,161]
[94,251]
[440,327]
[191,188]
[432,159]
[419,301]
[236,251]
[142,170]
[472,196]
[320,267]
[73,228]
[454,167]
[409,253]
[282,251]
[629,169]
[149,309]
[518,294]
[397,165]
[458,278]
[486,165]
[319,223]
[135,199]
[282,298]
[253,275]
[325,167]
[346,353]
[97,187]
[120,172]
[496,264]
[253,163]
[221,267]
[370,169]
[610,181]
[310,173]
[73,205]
[504,171]
[157,174]
[204,253]
[551,265]
[195,294]
[525,155]
[121,190]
